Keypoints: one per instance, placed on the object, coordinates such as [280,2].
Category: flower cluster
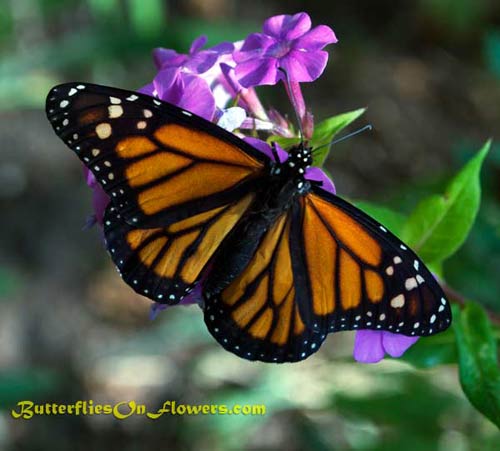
[218,84]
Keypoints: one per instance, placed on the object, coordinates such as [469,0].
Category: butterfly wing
[257,316]
[165,263]
[177,183]
[361,276]
[324,266]
[158,163]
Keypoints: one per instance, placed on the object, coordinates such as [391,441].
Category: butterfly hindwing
[361,276]
[258,316]
[165,263]
[158,163]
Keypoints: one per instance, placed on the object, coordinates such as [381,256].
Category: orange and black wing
[178,184]
[258,315]
[323,266]
[358,275]
[158,163]
[166,263]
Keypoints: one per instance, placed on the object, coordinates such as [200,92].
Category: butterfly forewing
[177,183]
[158,163]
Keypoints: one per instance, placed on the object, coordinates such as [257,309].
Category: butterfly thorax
[294,168]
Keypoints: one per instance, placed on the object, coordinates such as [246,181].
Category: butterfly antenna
[294,103]
[342,138]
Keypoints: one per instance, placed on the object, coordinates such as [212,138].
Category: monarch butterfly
[284,262]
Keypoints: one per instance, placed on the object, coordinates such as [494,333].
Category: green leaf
[478,365]
[391,219]
[283,142]
[440,224]
[325,131]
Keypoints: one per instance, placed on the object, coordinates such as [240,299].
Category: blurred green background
[429,73]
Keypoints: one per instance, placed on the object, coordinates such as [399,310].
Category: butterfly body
[282,262]
[284,184]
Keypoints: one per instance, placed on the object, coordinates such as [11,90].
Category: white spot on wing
[411,283]
[103,130]
[115,111]
[398,301]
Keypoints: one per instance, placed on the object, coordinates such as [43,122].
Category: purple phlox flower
[197,61]
[287,43]
[370,346]
[185,80]
[100,199]
[187,91]
[246,97]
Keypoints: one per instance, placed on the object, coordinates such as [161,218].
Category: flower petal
[232,118]
[201,62]
[224,47]
[148,89]
[254,46]
[100,199]
[287,27]
[196,96]
[396,344]
[198,43]
[164,83]
[162,56]
[194,297]
[265,148]
[315,39]
[259,71]
[304,66]
[368,346]
[318,175]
